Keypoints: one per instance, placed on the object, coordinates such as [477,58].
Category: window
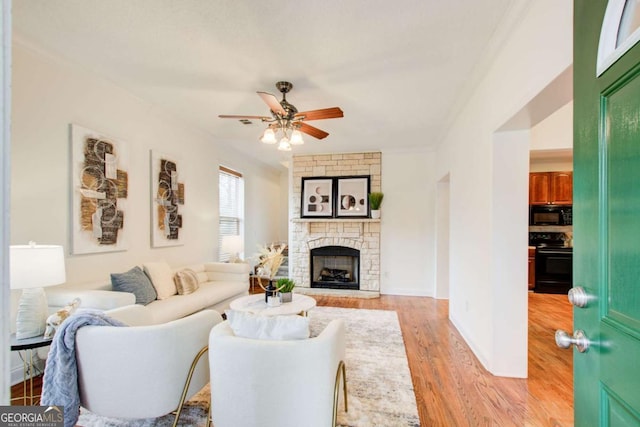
[620,32]
[629,22]
[231,196]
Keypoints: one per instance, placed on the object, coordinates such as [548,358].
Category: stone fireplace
[310,236]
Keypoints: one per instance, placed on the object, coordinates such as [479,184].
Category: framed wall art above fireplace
[317,197]
[335,197]
[352,196]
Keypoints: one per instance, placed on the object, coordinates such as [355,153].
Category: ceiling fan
[286,119]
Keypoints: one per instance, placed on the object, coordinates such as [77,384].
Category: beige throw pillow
[186,281]
[161,278]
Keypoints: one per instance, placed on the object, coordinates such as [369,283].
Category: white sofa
[219,284]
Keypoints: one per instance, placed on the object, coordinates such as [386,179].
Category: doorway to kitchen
[544,124]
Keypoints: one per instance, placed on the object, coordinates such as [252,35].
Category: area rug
[378,378]
[379,384]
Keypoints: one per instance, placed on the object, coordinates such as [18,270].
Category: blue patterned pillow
[136,282]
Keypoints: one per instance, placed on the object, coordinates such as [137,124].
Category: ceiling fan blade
[325,113]
[272,102]
[232,116]
[312,131]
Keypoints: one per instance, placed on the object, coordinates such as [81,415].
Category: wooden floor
[17,392]
[451,386]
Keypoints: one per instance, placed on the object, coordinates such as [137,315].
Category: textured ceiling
[397,69]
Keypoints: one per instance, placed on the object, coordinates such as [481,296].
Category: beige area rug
[378,378]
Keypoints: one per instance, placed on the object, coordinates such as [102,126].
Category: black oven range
[554,262]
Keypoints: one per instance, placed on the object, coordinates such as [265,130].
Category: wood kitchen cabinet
[532,268]
[551,188]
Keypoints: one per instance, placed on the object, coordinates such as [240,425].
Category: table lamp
[32,267]
[232,245]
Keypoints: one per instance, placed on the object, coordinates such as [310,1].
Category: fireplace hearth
[335,267]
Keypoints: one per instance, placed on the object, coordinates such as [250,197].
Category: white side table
[300,304]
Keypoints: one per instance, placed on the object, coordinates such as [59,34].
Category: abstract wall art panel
[167,196]
[99,184]
[352,196]
[317,197]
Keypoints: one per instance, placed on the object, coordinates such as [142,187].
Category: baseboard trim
[406,292]
[16,375]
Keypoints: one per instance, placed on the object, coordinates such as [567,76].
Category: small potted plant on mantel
[285,286]
[375,200]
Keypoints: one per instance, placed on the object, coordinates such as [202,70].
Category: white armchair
[140,371]
[261,383]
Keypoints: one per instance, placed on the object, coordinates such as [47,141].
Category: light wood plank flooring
[451,386]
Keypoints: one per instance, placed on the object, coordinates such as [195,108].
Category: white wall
[550,165]
[509,269]
[407,253]
[48,95]
[5,134]
[442,239]
[526,63]
[263,208]
[285,185]
[553,136]
[555,132]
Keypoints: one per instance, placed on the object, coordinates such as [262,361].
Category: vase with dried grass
[270,258]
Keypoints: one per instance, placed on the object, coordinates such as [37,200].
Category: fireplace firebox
[335,267]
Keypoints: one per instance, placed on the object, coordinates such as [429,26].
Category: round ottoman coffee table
[300,304]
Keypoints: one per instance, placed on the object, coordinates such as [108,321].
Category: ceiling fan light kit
[269,136]
[284,144]
[287,121]
[296,138]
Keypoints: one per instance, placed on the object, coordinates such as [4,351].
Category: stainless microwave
[551,215]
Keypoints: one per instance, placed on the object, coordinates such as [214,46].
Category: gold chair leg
[344,384]
[336,390]
[188,383]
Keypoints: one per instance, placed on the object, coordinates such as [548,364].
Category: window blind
[230,202]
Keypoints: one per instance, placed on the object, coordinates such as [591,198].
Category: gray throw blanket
[60,382]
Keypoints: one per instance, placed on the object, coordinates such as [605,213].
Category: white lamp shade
[296,138]
[36,266]
[269,136]
[284,145]
[232,244]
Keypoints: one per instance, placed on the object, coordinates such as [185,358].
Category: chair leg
[344,384]
[336,390]
[188,383]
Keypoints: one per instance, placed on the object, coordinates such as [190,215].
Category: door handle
[579,339]
[578,296]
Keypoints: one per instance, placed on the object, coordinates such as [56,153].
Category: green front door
[606,226]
